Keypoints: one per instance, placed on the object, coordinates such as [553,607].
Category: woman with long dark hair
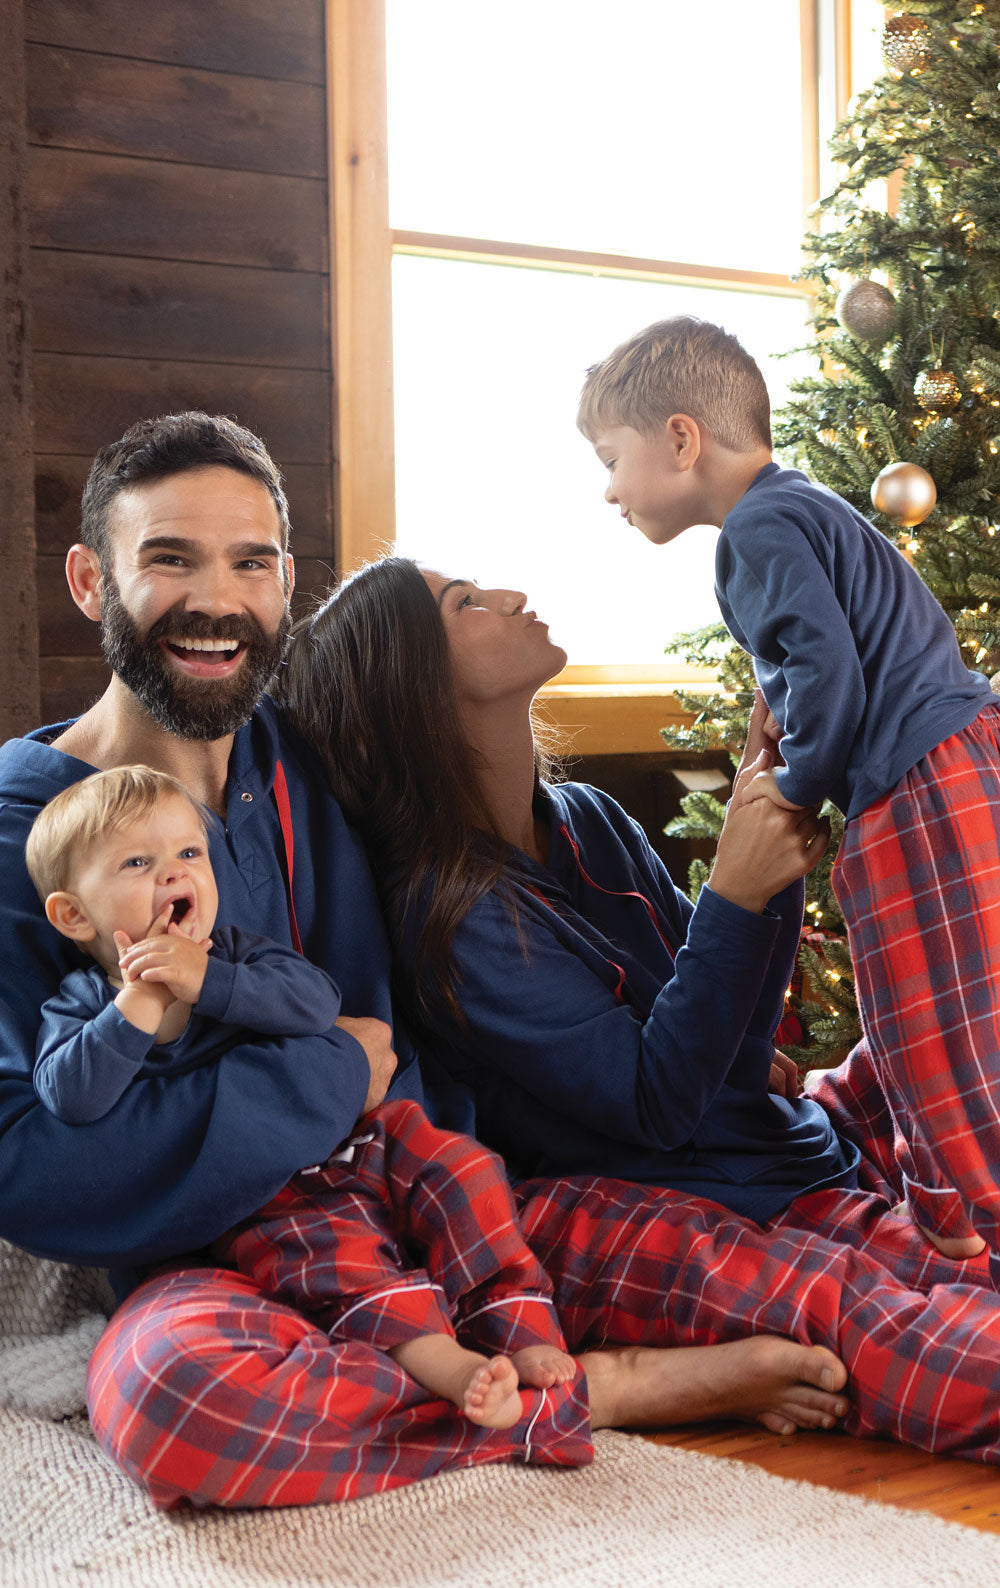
[611,1040]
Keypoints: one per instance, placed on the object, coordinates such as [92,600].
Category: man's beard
[191,708]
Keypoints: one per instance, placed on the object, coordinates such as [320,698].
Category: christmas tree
[902,417]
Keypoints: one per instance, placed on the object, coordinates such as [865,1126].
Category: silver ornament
[904,492]
[866,310]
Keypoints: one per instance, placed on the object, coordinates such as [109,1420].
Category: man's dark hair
[153,449]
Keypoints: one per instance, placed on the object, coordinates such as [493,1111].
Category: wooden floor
[959,1491]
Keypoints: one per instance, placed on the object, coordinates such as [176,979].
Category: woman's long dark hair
[368,681]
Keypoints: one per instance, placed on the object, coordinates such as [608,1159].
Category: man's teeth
[205,645]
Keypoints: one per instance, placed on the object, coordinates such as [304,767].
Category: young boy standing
[875,710]
[121,863]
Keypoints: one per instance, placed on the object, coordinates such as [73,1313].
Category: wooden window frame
[601,709]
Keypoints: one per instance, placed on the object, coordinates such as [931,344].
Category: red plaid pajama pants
[918,879]
[205,1389]
[408,1230]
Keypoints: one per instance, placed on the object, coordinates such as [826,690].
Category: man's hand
[376,1039]
[166,956]
[785,1078]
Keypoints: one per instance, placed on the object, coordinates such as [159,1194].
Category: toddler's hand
[142,1004]
[785,1079]
[764,785]
[169,959]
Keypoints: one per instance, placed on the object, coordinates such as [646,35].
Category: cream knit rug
[641,1517]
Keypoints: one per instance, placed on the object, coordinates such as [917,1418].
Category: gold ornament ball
[866,310]
[906,43]
[905,492]
[937,391]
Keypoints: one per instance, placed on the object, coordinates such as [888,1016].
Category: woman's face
[497,647]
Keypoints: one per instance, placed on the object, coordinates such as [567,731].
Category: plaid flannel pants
[206,1390]
[918,879]
[407,1230]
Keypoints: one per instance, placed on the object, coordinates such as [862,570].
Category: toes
[777,1423]
[832,1374]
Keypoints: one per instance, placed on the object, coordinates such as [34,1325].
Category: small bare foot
[956,1246]
[541,1366]
[764,1379]
[491,1395]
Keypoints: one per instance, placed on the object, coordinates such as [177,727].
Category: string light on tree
[906,43]
[904,492]
[866,310]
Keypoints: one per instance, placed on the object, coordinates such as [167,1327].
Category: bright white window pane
[495,483]
[648,127]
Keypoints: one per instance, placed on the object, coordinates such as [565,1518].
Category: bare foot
[764,1379]
[491,1395]
[541,1366]
[956,1246]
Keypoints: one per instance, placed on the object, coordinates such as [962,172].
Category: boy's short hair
[67,828]
[679,366]
[155,449]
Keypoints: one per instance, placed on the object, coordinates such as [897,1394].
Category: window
[516,189]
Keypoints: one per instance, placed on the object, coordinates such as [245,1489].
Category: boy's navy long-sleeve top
[150,1182]
[613,1028]
[856,659]
[255,992]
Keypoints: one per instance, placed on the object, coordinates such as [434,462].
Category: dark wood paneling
[70,684]
[178,212]
[107,204]
[257,37]
[62,628]
[111,105]
[145,308]
[59,481]
[82,403]
[18,597]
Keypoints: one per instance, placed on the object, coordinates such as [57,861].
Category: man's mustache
[179,624]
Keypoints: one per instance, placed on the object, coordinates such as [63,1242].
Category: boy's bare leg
[763,1379]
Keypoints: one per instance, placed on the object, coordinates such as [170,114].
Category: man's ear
[289,572]
[67,915]
[83,575]
[684,440]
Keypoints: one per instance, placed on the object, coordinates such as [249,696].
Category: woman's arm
[541,1006]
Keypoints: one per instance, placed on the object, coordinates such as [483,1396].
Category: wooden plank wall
[178,230]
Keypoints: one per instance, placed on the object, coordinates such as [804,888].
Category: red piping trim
[280,792]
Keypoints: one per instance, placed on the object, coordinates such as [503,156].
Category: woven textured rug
[641,1517]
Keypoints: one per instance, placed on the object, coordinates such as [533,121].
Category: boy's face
[651,479]
[130,879]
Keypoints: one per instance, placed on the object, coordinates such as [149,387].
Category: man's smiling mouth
[227,648]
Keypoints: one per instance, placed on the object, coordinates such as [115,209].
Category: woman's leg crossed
[635,1265]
